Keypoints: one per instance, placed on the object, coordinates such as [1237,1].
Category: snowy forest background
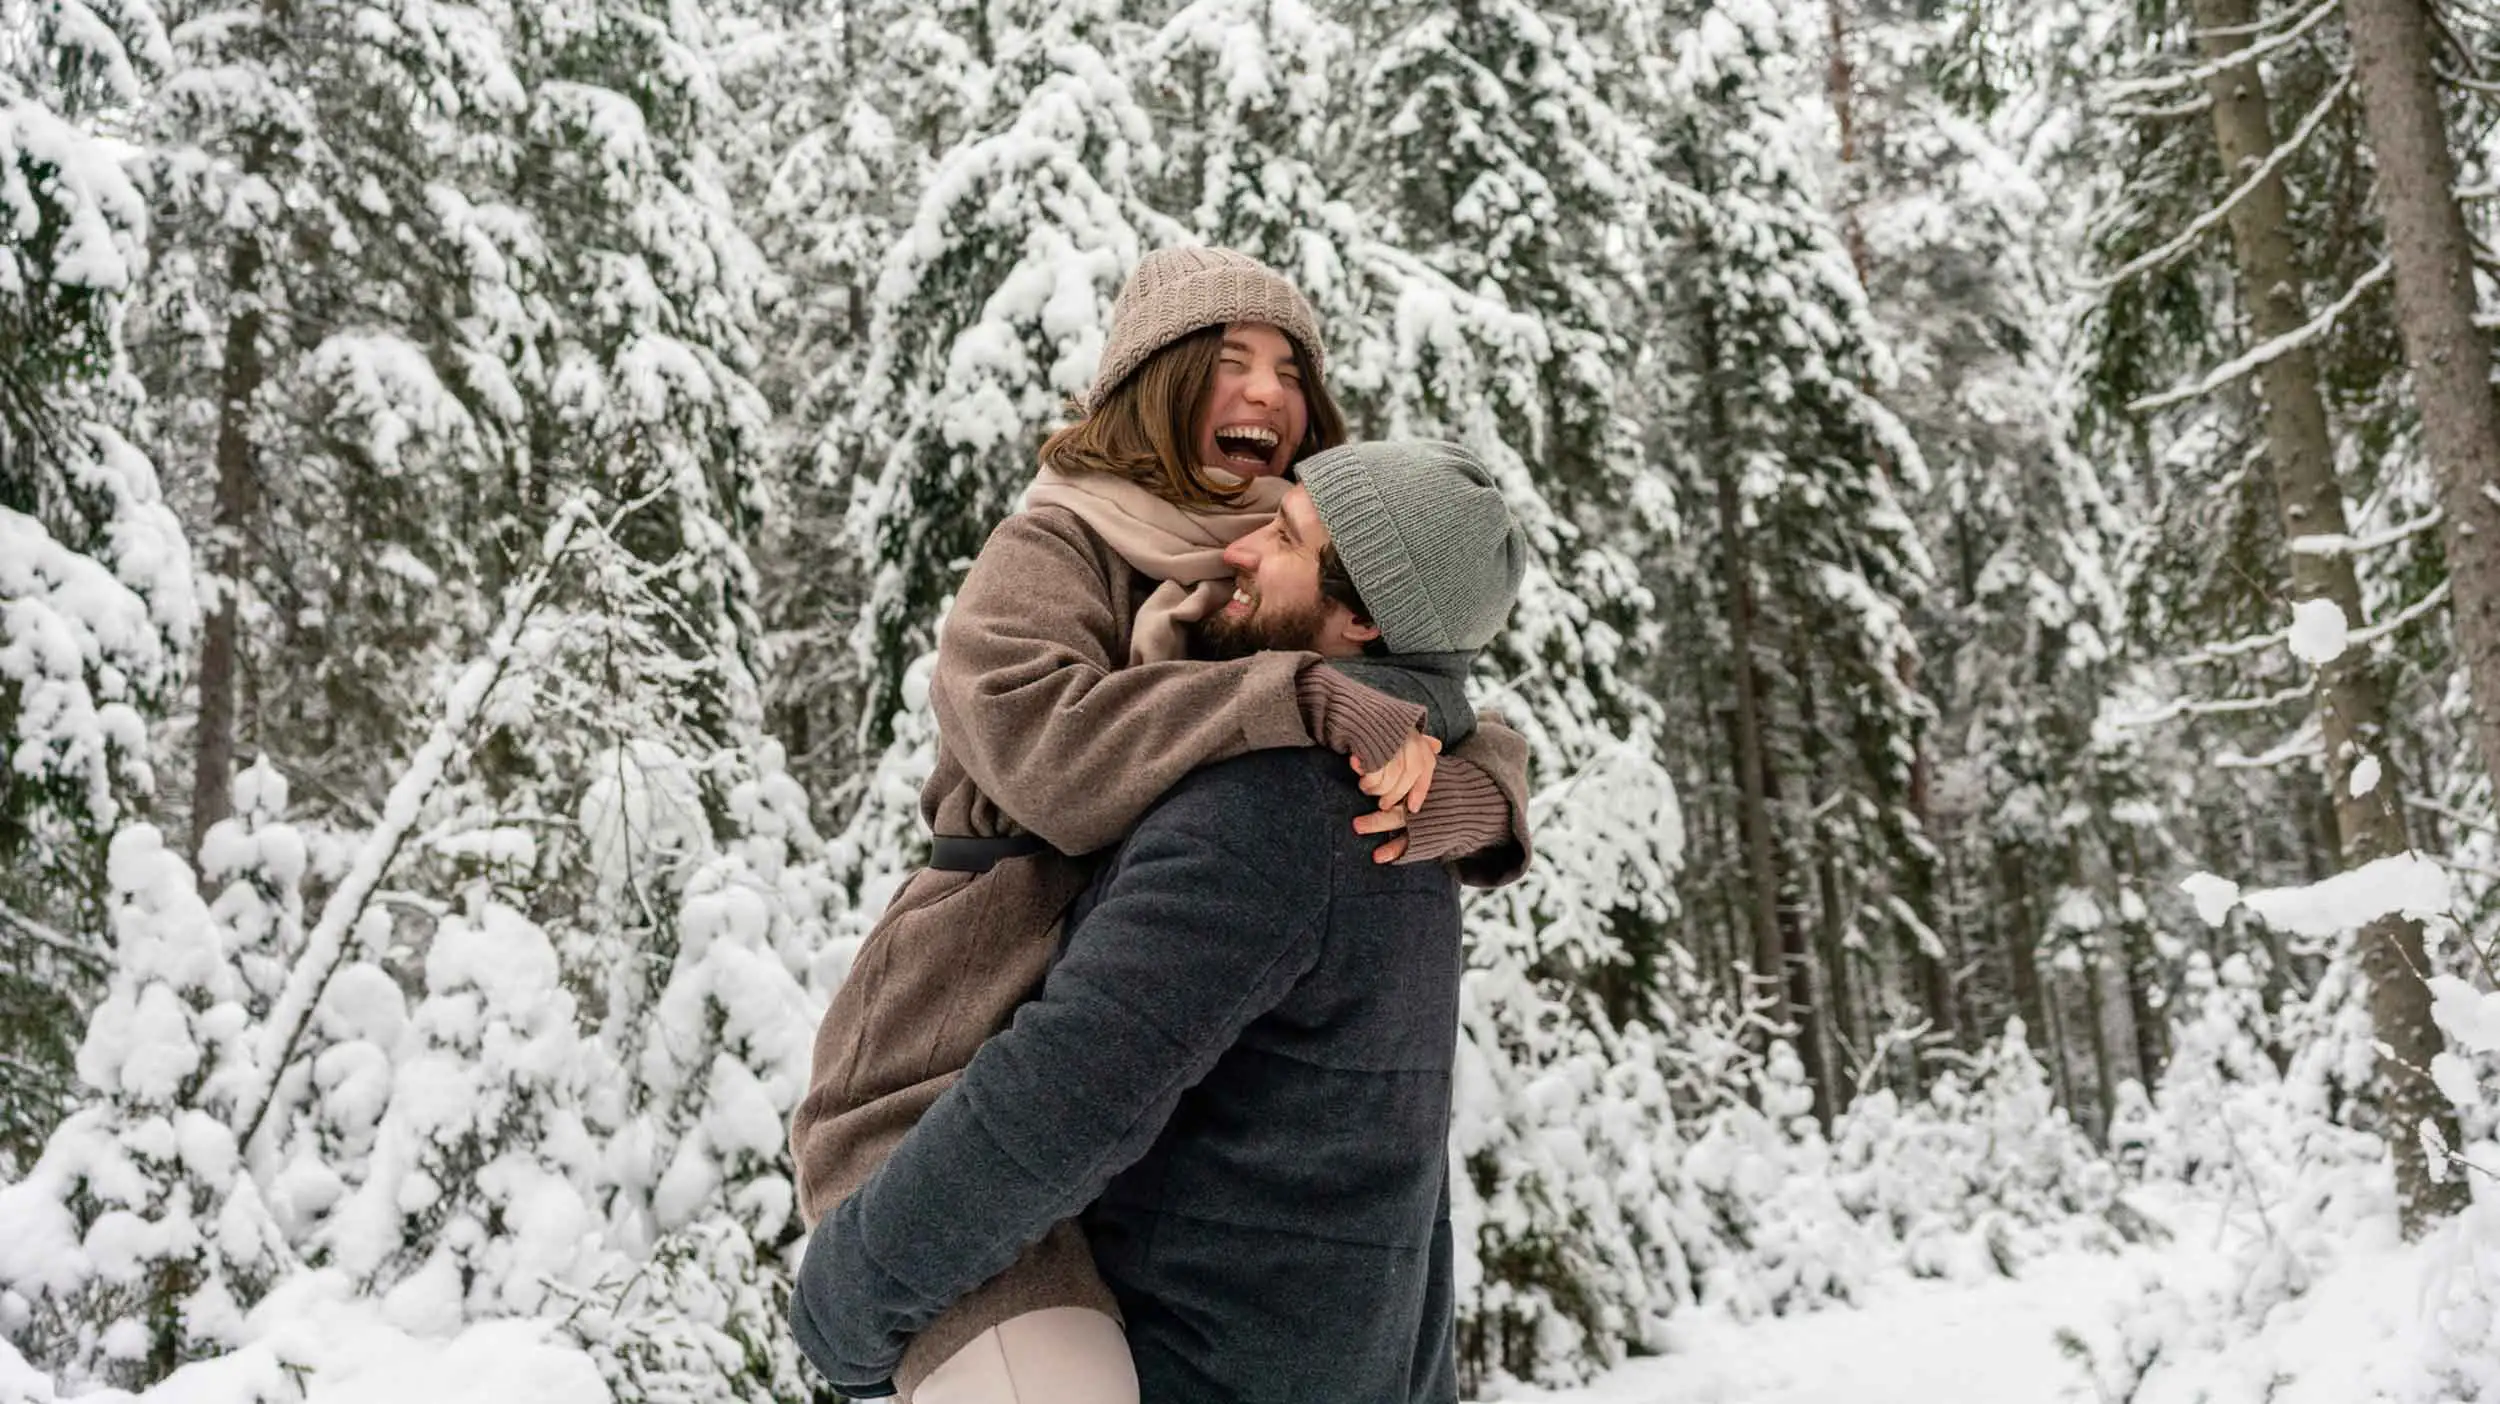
[478,480]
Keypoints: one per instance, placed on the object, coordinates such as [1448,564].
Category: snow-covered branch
[2203,224]
[2209,707]
[2155,112]
[326,946]
[2236,648]
[48,938]
[2190,77]
[2301,745]
[2331,544]
[2267,25]
[2430,603]
[2340,544]
[2258,356]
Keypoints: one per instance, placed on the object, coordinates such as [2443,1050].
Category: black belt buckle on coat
[958,853]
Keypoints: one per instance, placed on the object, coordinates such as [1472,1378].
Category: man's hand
[829,1321]
[1385,821]
[1405,778]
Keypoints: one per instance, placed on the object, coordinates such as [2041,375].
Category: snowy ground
[2364,1332]
[1913,1342]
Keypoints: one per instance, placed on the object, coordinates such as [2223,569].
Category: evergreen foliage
[435,814]
[96,592]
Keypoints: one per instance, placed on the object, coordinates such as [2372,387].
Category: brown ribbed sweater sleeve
[1354,720]
[1476,815]
[1032,701]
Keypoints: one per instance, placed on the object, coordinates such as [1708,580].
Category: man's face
[1276,601]
[1255,414]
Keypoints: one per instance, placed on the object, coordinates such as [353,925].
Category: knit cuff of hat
[1355,720]
[1376,556]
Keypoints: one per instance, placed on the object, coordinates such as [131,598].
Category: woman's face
[1255,415]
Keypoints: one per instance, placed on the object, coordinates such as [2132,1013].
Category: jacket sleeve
[1196,934]
[1476,816]
[1070,744]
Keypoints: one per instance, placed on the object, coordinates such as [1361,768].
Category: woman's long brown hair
[1146,429]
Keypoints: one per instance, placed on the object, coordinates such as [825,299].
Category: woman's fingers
[1400,773]
[1423,782]
[1384,821]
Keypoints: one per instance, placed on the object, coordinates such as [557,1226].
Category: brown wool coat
[1032,706]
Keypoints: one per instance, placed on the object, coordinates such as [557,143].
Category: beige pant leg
[1058,1355]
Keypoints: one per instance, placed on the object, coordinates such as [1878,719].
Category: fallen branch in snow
[326,948]
[2292,340]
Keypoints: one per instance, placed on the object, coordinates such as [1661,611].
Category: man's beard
[1265,627]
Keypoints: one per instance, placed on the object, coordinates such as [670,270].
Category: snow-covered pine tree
[1813,564]
[327,342]
[640,711]
[852,102]
[2338,459]
[1249,104]
[988,316]
[93,563]
[1481,293]
[1963,229]
[139,1238]
[2194,521]
[694,1309]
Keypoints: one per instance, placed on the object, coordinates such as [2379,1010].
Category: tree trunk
[1936,983]
[1719,880]
[2350,700]
[1831,926]
[2141,968]
[2104,1075]
[2448,355]
[1933,974]
[1753,766]
[1796,967]
[2052,1043]
[238,385]
[1840,82]
[2022,942]
[2096,1008]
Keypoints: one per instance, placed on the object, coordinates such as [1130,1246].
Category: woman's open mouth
[1248,446]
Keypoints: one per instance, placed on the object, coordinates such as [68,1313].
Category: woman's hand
[1385,821]
[1406,778]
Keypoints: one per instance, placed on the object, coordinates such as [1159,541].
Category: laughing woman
[1067,703]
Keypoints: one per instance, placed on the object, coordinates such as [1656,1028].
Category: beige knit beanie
[1178,291]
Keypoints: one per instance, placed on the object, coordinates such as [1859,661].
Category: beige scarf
[1165,542]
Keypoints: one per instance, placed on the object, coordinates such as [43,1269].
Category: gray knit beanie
[1425,535]
[1178,291]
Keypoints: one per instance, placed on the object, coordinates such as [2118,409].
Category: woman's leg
[1058,1355]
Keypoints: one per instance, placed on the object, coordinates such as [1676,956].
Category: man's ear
[1345,625]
